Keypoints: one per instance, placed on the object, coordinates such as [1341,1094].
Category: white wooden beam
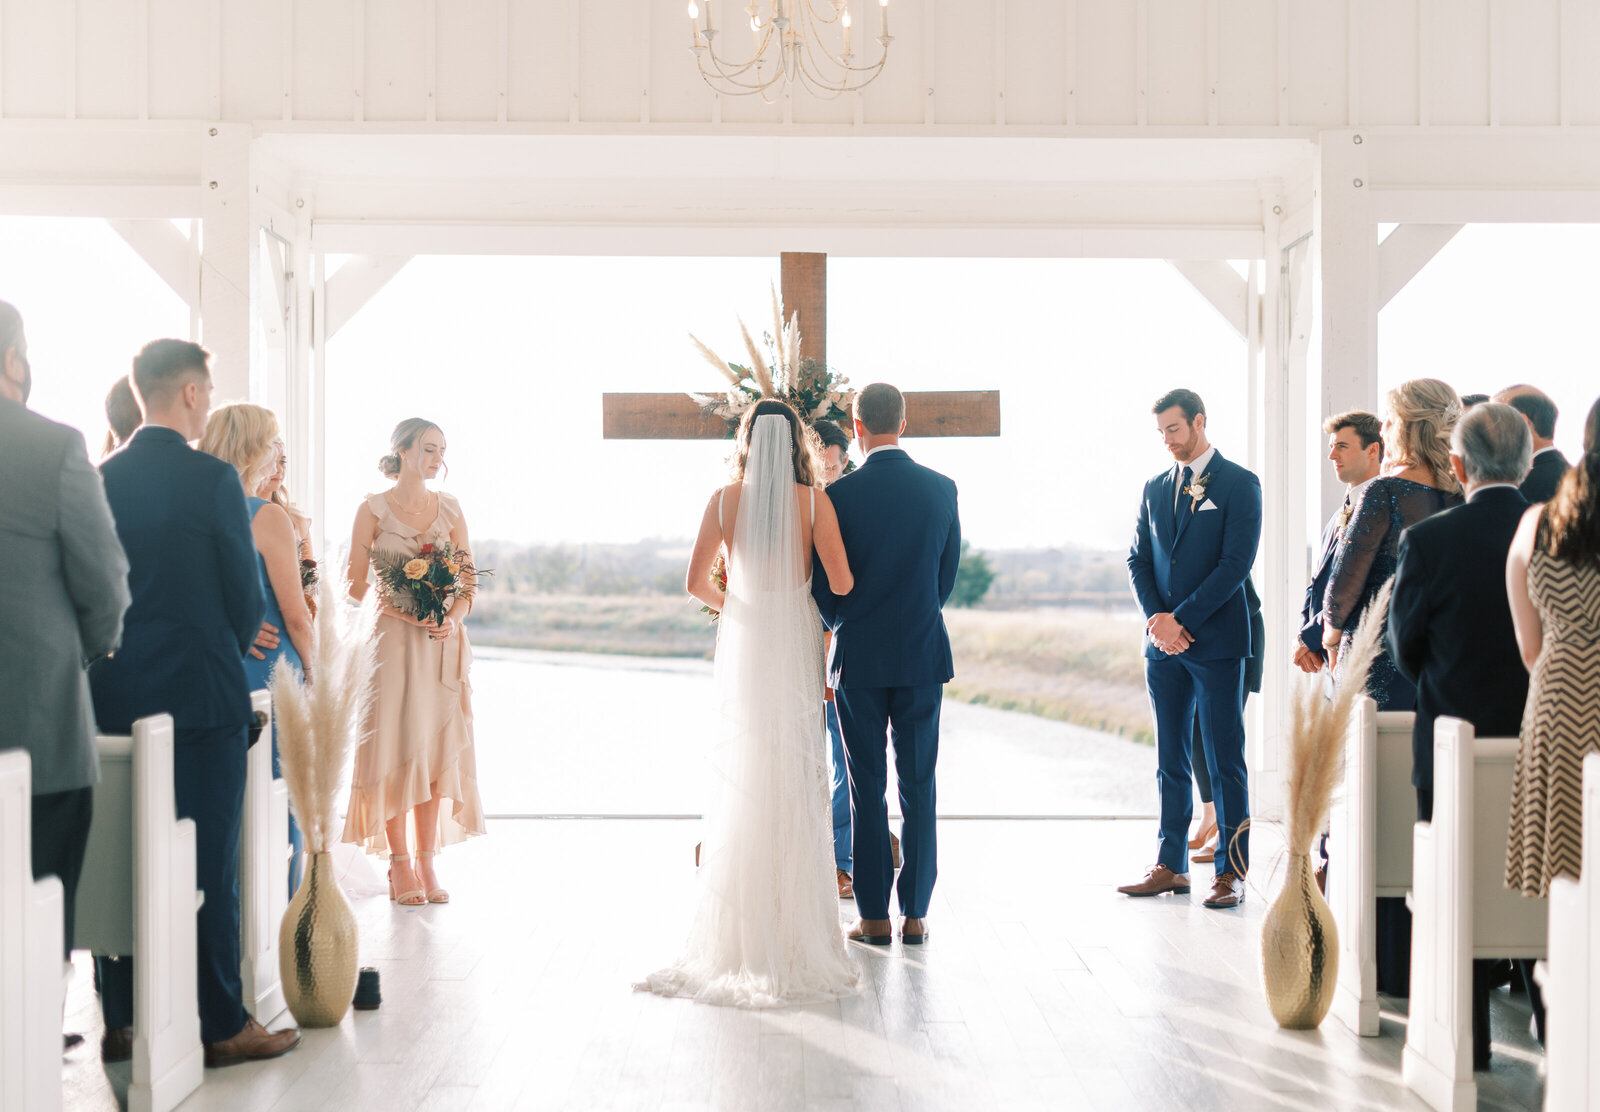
[227,257]
[1221,285]
[354,284]
[168,251]
[1405,251]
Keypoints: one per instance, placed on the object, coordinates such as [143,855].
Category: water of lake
[568,733]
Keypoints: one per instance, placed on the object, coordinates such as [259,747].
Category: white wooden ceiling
[1193,64]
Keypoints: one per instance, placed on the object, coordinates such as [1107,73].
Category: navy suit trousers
[908,717]
[1182,689]
[208,773]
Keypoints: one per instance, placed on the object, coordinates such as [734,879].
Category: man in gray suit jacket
[67,590]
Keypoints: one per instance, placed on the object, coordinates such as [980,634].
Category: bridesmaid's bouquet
[426,584]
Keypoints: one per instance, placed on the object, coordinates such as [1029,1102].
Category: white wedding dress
[766,931]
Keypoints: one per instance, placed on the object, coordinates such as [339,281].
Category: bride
[766,932]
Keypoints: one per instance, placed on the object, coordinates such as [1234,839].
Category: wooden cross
[805,290]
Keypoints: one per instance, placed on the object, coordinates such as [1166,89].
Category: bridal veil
[766,930]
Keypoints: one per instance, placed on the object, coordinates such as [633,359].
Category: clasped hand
[1168,635]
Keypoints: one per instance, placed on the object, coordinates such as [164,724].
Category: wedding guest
[1355,448]
[1417,482]
[835,462]
[417,750]
[1553,578]
[1197,639]
[122,415]
[197,608]
[245,437]
[1450,629]
[1548,462]
[1470,400]
[57,536]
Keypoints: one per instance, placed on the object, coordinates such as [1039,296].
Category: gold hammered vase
[1299,950]
[317,948]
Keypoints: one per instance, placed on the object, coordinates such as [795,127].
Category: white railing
[31,981]
[263,874]
[1571,978]
[137,896]
[1370,851]
[1461,909]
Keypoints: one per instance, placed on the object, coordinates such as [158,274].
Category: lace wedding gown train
[766,930]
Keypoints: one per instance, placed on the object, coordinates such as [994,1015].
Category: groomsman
[835,460]
[56,535]
[1548,462]
[1450,629]
[197,607]
[1198,529]
[891,656]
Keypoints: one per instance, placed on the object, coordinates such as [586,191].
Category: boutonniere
[1344,517]
[1196,491]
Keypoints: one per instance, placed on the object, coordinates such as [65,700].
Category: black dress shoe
[70,1042]
[116,1045]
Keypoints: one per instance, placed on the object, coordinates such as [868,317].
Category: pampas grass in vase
[1299,940]
[319,716]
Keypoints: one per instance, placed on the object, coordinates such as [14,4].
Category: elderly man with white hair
[1450,628]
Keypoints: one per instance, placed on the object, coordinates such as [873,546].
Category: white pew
[137,896]
[30,954]
[1369,836]
[1461,909]
[263,874]
[1572,977]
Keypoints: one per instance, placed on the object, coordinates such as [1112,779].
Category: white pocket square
[1208,504]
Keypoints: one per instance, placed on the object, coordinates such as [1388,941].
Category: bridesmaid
[417,750]
[245,436]
[275,493]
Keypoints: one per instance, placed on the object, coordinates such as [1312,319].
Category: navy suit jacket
[902,534]
[1193,563]
[1311,609]
[1545,476]
[1450,629]
[197,599]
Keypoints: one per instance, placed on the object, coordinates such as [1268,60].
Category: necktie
[1183,485]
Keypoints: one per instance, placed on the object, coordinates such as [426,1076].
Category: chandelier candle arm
[801,56]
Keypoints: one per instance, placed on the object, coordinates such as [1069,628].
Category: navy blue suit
[197,606]
[1191,560]
[890,661]
[1311,610]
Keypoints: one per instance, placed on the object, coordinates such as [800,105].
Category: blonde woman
[273,492]
[246,436]
[1416,482]
[418,748]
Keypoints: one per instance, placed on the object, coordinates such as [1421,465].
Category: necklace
[403,508]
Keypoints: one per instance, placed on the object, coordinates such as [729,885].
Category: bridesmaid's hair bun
[389,465]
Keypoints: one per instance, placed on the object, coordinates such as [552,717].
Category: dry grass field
[1077,665]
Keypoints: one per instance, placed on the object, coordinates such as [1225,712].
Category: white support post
[1405,251]
[356,283]
[168,251]
[227,258]
[305,436]
[1222,287]
[1347,250]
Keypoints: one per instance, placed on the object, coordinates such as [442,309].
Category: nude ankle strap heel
[413,897]
[435,895]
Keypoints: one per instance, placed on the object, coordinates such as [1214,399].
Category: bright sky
[510,357]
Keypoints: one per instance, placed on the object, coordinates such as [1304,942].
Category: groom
[891,655]
[1199,526]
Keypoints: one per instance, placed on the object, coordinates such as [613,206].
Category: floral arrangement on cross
[817,392]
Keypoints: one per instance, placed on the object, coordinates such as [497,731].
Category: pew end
[1462,909]
[1571,984]
[263,873]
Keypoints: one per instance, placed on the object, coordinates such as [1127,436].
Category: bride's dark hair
[802,439]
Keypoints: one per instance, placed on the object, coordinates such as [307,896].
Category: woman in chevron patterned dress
[1553,579]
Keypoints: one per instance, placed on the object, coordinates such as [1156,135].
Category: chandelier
[788,48]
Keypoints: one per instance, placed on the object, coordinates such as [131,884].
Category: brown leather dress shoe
[914,932]
[1158,880]
[252,1044]
[874,932]
[846,889]
[1227,891]
[894,851]
[116,1045]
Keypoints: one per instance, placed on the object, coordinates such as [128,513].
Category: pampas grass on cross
[320,714]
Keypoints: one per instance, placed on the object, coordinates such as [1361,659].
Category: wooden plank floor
[1039,988]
